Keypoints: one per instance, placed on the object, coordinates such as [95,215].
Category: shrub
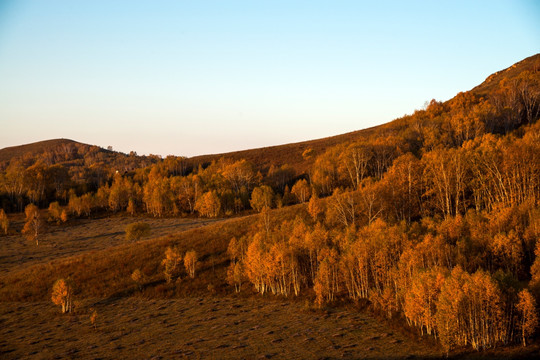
[55,211]
[64,216]
[138,277]
[137,231]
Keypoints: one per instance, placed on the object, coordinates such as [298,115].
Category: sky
[202,77]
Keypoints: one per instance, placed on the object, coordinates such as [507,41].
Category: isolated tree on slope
[138,277]
[34,225]
[4,222]
[62,294]
[171,262]
[190,262]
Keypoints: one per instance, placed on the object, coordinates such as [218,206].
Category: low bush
[137,231]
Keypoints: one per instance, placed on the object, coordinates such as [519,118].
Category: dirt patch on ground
[82,236]
[199,328]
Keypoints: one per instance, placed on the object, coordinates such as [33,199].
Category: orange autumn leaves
[172,263]
[448,277]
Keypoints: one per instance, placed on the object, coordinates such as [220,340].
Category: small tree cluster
[208,205]
[55,212]
[172,260]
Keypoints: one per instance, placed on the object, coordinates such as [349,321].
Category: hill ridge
[290,153]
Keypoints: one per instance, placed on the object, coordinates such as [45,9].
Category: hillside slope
[290,154]
[532,64]
[35,148]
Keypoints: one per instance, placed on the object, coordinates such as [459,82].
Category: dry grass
[12,152]
[290,154]
[80,236]
[532,63]
[186,319]
[199,328]
[107,272]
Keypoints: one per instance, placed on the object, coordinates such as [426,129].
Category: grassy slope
[290,154]
[532,63]
[107,272]
[201,321]
[40,147]
[195,328]
[79,236]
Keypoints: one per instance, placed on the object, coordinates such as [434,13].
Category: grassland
[199,328]
[81,236]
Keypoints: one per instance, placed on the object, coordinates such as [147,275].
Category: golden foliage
[171,262]
[235,275]
[190,262]
[262,197]
[33,226]
[64,216]
[55,211]
[526,307]
[301,190]
[93,319]
[138,277]
[4,222]
[469,311]
[62,294]
[208,204]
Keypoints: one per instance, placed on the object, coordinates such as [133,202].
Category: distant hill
[290,154]
[73,155]
[37,148]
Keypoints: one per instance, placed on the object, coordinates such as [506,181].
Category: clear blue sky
[197,77]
